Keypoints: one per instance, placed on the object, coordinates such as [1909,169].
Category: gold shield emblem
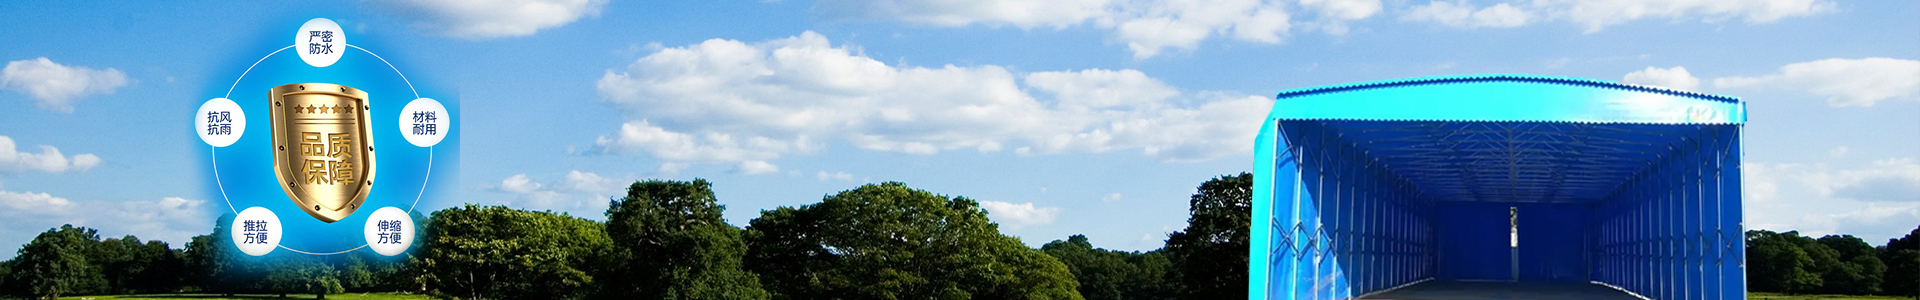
[322,148]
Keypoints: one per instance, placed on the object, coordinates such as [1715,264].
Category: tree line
[1787,262]
[667,240]
[73,260]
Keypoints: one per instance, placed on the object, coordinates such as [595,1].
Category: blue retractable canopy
[1510,138]
[1366,187]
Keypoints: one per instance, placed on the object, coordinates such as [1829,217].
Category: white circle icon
[256,231]
[389,231]
[424,122]
[220,122]
[320,42]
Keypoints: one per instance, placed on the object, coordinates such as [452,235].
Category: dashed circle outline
[214,157]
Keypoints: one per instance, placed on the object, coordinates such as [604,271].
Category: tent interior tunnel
[1505,181]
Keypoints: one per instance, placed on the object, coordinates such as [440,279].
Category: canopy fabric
[1512,161]
[1510,137]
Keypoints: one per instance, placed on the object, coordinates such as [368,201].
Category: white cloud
[1023,14]
[841,176]
[54,85]
[1015,216]
[481,19]
[1673,78]
[1845,82]
[170,219]
[1762,181]
[1885,180]
[1465,15]
[1875,222]
[1334,14]
[1099,89]
[582,194]
[1110,197]
[590,182]
[1343,9]
[1894,179]
[518,183]
[756,167]
[49,159]
[641,137]
[1878,200]
[533,195]
[1147,27]
[1598,14]
[725,101]
[669,169]
[1892,219]
[1839,152]
[32,202]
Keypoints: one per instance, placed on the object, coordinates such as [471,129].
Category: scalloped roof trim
[1482,78]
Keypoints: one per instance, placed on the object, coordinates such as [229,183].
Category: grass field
[1774,296]
[348,296]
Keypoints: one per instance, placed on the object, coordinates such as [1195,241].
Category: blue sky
[1088,116]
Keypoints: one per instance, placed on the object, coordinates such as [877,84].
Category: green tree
[889,241]
[670,242]
[6,268]
[200,264]
[1910,241]
[1777,263]
[289,273]
[131,266]
[1902,268]
[1109,274]
[357,274]
[1902,257]
[115,259]
[213,263]
[55,263]
[1858,270]
[1212,251]
[1826,262]
[1102,275]
[367,271]
[495,252]
[162,269]
[1155,267]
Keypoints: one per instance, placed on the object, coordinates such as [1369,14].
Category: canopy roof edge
[1509,98]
